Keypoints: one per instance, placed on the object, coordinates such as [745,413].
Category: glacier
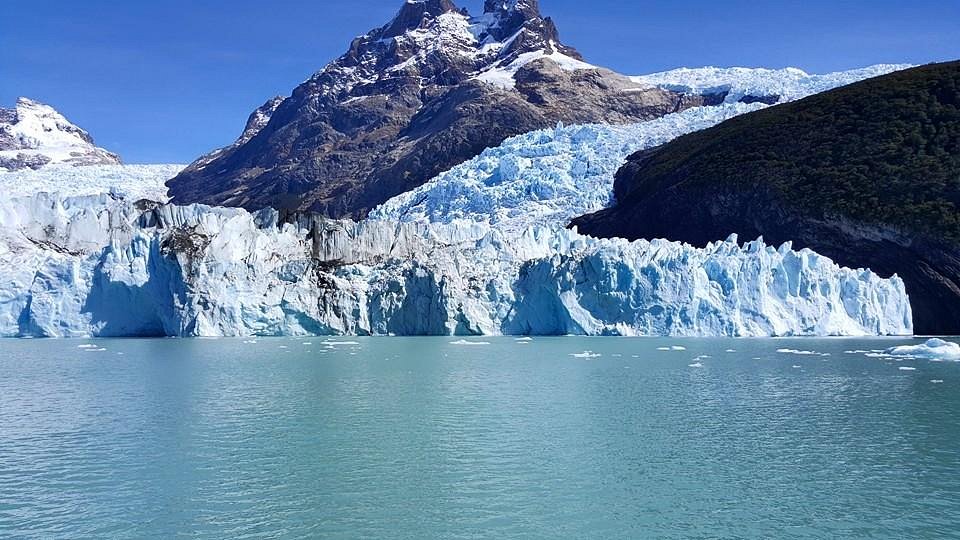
[104,265]
[130,181]
[479,250]
[545,177]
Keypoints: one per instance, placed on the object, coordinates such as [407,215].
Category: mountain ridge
[426,91]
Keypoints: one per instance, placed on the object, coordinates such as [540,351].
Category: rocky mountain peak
[260,118]
[520,26]
[528,8]
[414,14]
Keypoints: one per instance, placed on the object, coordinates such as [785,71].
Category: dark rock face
[681,191]
[409,100]
[8,116]
[24,161]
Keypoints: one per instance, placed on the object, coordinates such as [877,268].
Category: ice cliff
[103,265]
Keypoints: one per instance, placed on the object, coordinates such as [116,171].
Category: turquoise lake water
[424,438]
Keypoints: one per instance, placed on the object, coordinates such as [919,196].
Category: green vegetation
[882,151]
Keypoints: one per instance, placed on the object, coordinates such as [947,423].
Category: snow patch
[504,76]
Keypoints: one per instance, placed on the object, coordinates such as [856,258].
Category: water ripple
[421,438]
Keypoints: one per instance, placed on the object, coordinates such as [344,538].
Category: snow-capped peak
[34,134]
[435,42]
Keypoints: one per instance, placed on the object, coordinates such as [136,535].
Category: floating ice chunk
[677,348]
[887,356]
[307,343]
[524,340]
[797,367]
[801,353]
[87,346]
[467,342]
[663,348]
[907,368]
[696,365]
[586,354]
[340,343]
[731,350]
[934,348]
[936,381]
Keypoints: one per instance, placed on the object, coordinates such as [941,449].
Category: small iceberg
[677,348]
[933,349]
[907,368]
[801,353]
[524,340]
[465,342]
[87,346]
[696,365]
[336,343]
[586,354]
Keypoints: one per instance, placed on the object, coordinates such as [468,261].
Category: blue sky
[167,81]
